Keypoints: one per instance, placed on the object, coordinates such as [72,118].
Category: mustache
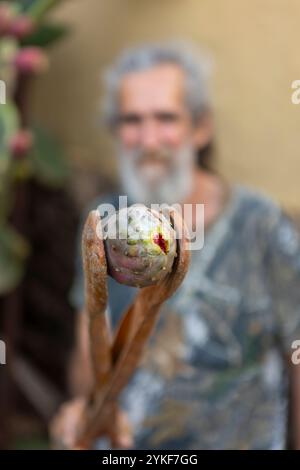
[158,156]
[174,175]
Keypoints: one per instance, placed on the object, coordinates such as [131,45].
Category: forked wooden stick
[114,361]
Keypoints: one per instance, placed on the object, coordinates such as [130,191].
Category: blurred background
[55,156]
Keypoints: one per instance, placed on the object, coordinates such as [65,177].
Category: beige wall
[255,44]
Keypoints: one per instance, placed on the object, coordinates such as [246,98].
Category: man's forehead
[157,86]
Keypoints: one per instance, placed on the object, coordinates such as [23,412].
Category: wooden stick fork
[114,359]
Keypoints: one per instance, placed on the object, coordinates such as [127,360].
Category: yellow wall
[255,44]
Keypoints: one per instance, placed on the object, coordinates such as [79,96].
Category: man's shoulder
[106,198]
[256,202]
[103,203]
[257,212]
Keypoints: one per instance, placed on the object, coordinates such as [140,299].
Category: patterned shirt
[214,372]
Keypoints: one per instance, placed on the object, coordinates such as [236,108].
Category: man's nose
[149,135]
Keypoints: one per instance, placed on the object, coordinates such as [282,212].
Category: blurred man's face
[156,136]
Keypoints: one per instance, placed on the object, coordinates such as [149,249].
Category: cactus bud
[21,27]
[6,17]
[31,60]
[21,143]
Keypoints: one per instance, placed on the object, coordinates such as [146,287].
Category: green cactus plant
[26,151]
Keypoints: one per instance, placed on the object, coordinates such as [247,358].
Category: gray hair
[143,57]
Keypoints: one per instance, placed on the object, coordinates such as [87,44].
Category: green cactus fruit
[140,246]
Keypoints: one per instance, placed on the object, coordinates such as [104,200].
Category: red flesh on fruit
[161,242]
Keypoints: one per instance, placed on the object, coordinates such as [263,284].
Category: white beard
[173,188]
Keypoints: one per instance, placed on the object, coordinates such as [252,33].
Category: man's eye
[131,119]
[167,117]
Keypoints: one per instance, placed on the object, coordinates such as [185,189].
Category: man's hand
[68,422]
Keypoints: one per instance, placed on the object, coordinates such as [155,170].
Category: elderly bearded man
[216,373]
